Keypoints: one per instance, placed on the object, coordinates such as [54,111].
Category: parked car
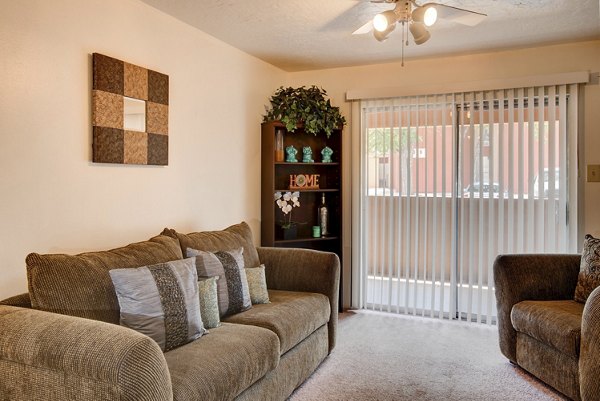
[476,187]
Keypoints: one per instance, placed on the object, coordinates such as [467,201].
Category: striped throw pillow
[232,286]
[161,301]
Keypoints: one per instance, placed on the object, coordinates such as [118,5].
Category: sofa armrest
[47,356]
[589,354]
[21,300]
[306,270]
[530,277]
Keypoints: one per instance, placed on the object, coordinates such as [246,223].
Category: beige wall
[53,199]
[583,56]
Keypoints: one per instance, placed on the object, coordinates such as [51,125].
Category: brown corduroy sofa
[542,329]
[75,351]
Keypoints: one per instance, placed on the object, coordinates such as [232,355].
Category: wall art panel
[130,113]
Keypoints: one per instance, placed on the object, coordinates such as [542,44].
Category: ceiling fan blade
[366,28]
[465,17]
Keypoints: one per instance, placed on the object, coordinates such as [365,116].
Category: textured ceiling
[313,34]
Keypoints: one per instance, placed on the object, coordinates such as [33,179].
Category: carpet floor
[381,356]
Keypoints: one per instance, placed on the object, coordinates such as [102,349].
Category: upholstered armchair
[542,329]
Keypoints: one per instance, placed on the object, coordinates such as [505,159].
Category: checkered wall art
[114,81]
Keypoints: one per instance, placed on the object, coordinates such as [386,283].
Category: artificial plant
[308,106]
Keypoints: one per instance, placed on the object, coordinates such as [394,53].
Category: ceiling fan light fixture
[382,36]
[427,14]
[419,33]
[382,21]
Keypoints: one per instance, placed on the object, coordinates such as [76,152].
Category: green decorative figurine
[307,155]
[326,153]
[291,151]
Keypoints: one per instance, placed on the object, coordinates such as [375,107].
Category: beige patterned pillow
[258,285]
[209,303]
[589,271]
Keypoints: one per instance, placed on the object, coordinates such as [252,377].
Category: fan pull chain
[403,36]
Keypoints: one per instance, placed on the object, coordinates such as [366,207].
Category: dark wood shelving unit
[275,178]
[307,190]
[306,164]
[309,239]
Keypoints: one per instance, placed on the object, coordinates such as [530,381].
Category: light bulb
[380,23]
[430,16]
[383,21]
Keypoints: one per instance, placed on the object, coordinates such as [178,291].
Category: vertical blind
[450,181]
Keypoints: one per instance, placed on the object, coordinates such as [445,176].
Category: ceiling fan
[416,19]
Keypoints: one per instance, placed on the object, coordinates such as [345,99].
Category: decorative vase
[279,145]
[289,233]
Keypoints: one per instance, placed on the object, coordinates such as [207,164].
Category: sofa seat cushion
[554,323]
[293,316]
[223,363]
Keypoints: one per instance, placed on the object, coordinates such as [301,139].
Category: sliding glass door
[451,181]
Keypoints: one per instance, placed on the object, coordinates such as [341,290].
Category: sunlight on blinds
[448,182]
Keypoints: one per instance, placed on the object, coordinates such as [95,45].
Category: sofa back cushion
[233,237]
[80,285]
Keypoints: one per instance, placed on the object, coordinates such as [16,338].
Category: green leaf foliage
[308,106]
